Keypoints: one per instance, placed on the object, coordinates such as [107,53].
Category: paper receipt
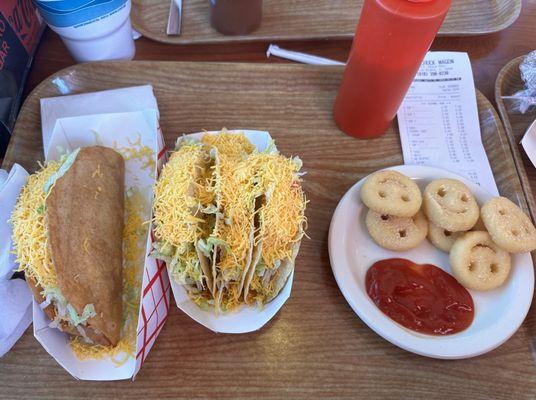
[438,120]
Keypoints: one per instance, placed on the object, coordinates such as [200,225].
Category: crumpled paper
[524,99]
[15,296]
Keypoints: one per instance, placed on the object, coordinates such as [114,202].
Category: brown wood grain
[488,53]
[304,19]
[316,347]
[515,123]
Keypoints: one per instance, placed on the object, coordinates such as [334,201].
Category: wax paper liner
[121,131]
[245,319]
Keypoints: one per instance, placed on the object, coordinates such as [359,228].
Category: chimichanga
[68,236]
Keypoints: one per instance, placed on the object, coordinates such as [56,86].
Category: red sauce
[423,298]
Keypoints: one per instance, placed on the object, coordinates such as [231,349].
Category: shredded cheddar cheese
[233,146]
[241,187]
[175,202]
[29,229]
[283,214]
[137,151]
[97,172]
[86,245]
[237,206]
[282,217]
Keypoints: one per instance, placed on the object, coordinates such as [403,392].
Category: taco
[184,213]
[233,231]
[218,213]
[280,224]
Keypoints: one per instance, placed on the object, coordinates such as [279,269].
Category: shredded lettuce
[210,209]
[165,249]
[204,247]
[65,311]
[186,271]
[182,262]
[260,268]
[213,153]
[207,246]
[297,162]
[270,148]
[232,274]
[76,319]
[54,295]
[185,141]
[66,161]
[203,304]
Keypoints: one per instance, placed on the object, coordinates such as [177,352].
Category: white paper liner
[244,319]
[115,130]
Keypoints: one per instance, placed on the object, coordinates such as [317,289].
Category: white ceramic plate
[498,313]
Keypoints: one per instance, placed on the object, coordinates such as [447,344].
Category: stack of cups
[92,30]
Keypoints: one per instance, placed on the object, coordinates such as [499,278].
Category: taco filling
[218,204]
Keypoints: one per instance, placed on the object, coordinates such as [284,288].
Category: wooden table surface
[315,347]
[488,53]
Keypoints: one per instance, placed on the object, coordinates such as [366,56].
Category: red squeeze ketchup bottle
[391,40]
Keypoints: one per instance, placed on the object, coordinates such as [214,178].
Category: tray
[508,82]
[306,19]
[316,347]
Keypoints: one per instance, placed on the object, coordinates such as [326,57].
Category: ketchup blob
[420,297]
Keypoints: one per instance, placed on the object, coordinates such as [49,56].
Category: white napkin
[529,142]
[15,296]
[136,98]
[3,178]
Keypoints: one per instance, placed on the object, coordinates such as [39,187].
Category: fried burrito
[215,202]
[68,237]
